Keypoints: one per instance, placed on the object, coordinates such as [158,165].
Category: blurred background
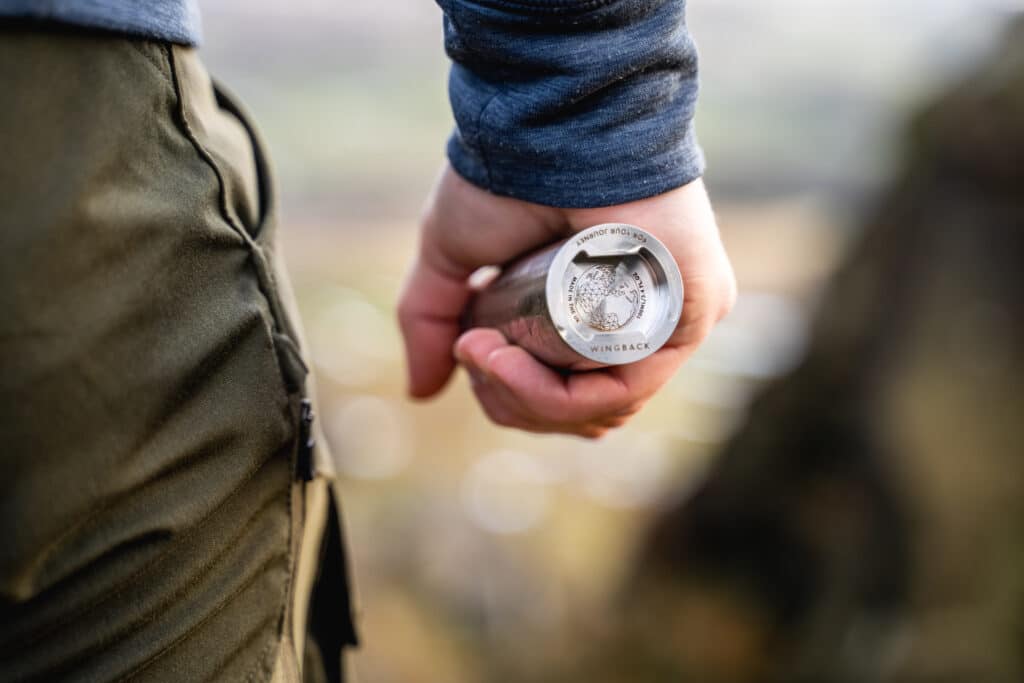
[481,554]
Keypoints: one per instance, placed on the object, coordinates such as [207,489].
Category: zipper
[307,441]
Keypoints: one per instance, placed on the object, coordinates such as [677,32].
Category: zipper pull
[307,441]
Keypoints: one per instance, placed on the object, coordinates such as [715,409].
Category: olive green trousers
[163,515]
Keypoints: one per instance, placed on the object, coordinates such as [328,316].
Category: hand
[465,227]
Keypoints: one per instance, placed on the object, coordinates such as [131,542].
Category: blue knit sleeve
[572,103]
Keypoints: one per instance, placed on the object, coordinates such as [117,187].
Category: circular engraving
[606,300]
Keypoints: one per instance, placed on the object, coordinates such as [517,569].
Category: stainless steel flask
[609,295]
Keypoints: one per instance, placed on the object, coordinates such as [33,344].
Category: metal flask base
[609,295]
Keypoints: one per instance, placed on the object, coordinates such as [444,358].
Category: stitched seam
[217,610]
[180,540]
[216,675]
[222,202]
[282,637]
[265,287]
[264,275]
[288,406]
[162,67]
[269,328]
[227,101]
[204,521]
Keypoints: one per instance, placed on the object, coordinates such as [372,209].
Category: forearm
[572,104]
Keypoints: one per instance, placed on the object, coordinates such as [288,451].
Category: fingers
[428,315]
[463,228]
[516,390]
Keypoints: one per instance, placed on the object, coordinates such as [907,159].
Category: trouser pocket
[148,424]
[321,599]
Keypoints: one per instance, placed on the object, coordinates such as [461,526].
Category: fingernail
[466,360]
[460,354]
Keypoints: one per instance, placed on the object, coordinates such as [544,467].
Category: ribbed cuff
[593,180]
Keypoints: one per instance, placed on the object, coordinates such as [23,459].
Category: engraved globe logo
[607,300]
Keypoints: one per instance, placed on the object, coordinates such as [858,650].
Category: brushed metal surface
[609,295]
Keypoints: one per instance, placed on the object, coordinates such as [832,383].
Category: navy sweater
[572,103]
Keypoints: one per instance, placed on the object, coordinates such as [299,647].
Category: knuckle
[403,312]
